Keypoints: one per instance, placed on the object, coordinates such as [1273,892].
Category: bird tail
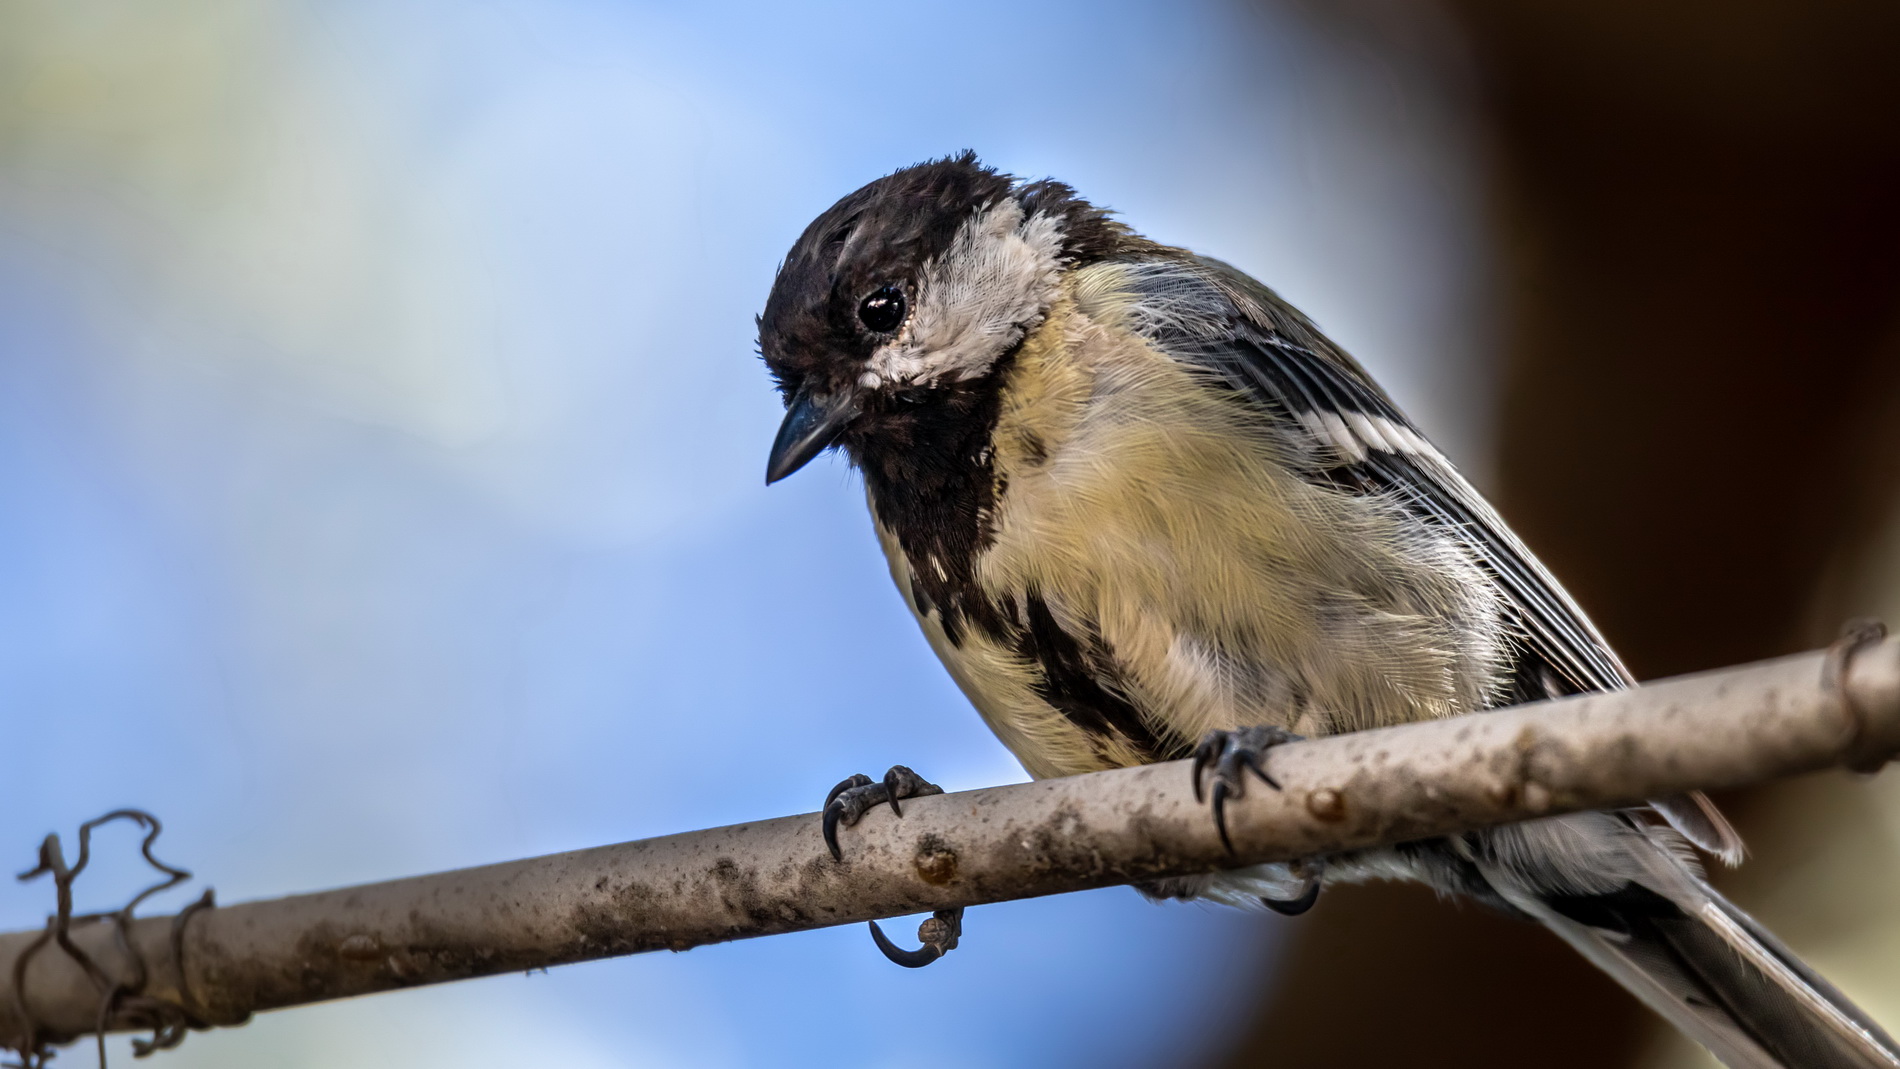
[1720,977]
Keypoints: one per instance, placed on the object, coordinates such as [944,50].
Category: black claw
[909,959]
[939,935]
[1220,813]
[832,812]
[847,802]
[1252,760]
[894,786]
[1293,907]
[857,780]
[1205,752]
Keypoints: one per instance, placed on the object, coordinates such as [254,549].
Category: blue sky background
[381,450]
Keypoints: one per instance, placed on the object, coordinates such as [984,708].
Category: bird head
[902,295]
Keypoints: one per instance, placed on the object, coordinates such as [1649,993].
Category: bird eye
[884,310]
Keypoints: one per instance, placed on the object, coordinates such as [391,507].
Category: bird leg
[1230,755]
[858,795]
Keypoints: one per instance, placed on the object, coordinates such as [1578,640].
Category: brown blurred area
[1697,230]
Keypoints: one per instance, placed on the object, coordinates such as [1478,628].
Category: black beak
[812,422]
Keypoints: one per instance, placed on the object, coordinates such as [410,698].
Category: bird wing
[1211,314]
[1364,443]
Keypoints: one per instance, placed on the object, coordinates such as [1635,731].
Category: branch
[1713,731]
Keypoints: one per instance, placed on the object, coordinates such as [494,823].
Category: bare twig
[1718,730]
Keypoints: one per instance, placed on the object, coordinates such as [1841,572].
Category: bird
[1144,510]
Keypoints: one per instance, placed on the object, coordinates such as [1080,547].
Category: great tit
[1144,510]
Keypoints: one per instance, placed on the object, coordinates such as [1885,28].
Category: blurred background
[381,441]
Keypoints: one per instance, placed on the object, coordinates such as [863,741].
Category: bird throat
[930,472]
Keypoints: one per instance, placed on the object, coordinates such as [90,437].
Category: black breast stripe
[1079,678]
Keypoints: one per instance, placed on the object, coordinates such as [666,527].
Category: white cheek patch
[992,285]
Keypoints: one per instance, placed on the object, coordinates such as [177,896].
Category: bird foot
[858,795]
[849,801]
[939,935]
[1228,756]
